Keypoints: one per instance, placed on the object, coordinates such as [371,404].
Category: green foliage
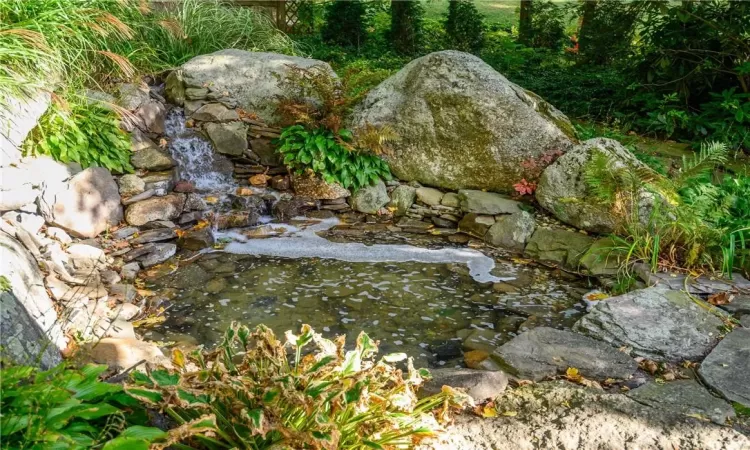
[406,26]
[85,133]
[548,25]
[257,392]
[464,26]
[606,30]
[330,156]
[67,408]
[196,27]
[55,45]
[346,22]
[693,223]
[5,285]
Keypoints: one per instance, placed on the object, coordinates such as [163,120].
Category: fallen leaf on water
[721,298]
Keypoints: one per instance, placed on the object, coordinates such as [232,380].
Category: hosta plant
[256,391]
[68,408]
[330,155]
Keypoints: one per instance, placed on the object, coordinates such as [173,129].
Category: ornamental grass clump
[256,392]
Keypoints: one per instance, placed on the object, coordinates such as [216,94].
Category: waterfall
[196,160]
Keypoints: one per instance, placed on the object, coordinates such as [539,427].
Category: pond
[427,302]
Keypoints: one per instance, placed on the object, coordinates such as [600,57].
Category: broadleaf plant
[328,154]
[256,391]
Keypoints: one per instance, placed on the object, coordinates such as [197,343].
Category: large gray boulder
[562,188]
[18,116]
[254,80]
[31,332]
[656,323]
[727,367]
[461,124]
[544,352]
[85,206]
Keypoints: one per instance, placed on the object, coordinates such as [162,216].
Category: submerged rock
[656,323]
[461,124]
[726,368]
[544,352]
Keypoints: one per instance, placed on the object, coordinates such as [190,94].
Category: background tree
[607,28]
[406,25]
[346,22]
[464,26]
[524,22]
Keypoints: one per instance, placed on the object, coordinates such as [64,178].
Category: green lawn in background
[503,12]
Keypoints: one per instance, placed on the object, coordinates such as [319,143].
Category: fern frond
[710,155]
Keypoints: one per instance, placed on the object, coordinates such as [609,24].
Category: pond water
[427,306]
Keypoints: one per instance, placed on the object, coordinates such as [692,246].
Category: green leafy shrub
[347,22]
[86,133]
[464,26]
[67,408]
[548,25]
[250,393]
[330,155]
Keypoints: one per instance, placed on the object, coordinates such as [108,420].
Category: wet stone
[544,352]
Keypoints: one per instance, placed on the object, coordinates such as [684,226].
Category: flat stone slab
[684,397]
[543,352]
[727,368]
[655,323]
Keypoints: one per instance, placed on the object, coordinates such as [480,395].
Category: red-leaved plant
[533,167]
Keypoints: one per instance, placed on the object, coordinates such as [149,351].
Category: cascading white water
[196,160]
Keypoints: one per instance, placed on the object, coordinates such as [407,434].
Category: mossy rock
[461,124]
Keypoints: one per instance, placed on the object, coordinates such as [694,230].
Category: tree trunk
[524,24]
[587,19]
